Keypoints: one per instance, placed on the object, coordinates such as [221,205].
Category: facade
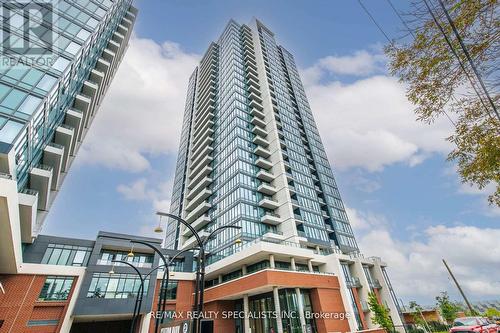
[50,90]
[65,285]
[251,156]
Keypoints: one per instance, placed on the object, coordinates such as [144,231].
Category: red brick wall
[222,325]
[182,304]
[329,301]
[271,278]
[20,304]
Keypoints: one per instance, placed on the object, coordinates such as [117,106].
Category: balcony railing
[45,167]
[353,282]
[270,214]
[5,175]
[55,145]
[375,283]
[29,191]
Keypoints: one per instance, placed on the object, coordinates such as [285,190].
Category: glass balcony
[271,218]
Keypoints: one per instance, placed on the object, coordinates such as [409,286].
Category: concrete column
[292,264]
[220,278]
[244,269]
[271,261]
[277,308]
[301,309]
[145,320]
[246,309]
[310,265]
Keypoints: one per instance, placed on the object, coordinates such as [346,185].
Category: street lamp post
[164,281]
[200,270]
[138,299]
[162,293]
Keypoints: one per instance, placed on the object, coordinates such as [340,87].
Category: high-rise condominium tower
[250,152]
[58,57]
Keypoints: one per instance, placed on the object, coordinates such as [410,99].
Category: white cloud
[141,190]
[142,113]
[415,266]
[370,123]
[360,63]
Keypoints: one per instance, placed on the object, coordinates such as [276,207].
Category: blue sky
[404,200]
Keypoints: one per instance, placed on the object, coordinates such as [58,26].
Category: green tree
[439,87]
[492,312]
[447,308]
[380,313]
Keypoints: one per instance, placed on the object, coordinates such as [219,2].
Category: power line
[414,37]
[469,58]
[375,22]
[401,18]
[452,49]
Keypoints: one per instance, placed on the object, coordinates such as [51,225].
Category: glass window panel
[10,131]
[54,258]
[63,259]
[14,98]
[16,72]
[32,77]
[92,22]
[3,90]
[61,64]
[83,34]
[73,48]
[30,104]
[79,258]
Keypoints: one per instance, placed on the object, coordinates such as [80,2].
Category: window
[138,260]
[283,265]
[172,290]
[56,288]
[232,275]
[66,255]
[177,266]
[105,285]
[368,275]
[258,266]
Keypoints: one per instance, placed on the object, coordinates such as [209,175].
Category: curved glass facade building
[57,60]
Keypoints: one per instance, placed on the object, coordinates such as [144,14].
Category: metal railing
[5,175]
[29,191]
[375,283]
[353,282]
[276,232]
[55,145]
[45,167]
[271,214]
[355,255]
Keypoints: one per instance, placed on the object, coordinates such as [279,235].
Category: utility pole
[427,328]
[459,288]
